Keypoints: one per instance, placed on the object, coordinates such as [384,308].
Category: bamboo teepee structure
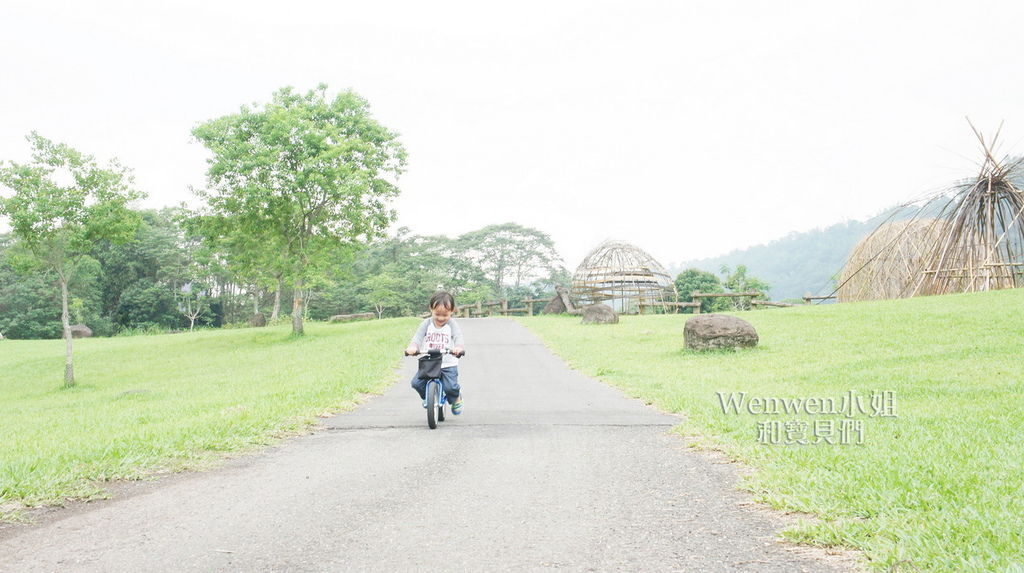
[974,243]
[622,274]
[982,247]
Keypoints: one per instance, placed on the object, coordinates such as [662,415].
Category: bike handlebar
[437,352]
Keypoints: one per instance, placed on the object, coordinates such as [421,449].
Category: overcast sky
[687,128]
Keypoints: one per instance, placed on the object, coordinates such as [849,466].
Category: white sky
[687,128]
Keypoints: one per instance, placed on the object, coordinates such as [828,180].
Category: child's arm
[457,341]
[417,339]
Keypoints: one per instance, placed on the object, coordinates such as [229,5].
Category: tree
[385,290]
[738,281]
[191,280]
[63,205]
[302,175]
[28,303]
[511,253]
[193,302]
[137,282]
[692,280]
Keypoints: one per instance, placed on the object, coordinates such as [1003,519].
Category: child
[441,332]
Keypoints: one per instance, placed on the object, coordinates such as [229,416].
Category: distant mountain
[800,262]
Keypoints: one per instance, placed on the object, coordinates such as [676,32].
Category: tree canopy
[298,177]
[63,205]
[692,280]
[511,254]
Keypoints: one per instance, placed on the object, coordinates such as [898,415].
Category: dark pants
[449,381]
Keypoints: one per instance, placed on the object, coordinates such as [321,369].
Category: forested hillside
[800,262]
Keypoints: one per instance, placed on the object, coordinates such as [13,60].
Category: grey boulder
[713,331]
[599,314]
[80,331]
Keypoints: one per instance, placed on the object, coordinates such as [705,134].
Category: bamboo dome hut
[621,274]
[975,244]
[887,263]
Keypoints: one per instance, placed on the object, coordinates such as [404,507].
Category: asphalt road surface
[544,470]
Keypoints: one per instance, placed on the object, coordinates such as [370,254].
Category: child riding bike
[440,332]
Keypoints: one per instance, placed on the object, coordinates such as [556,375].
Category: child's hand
[458,351]
[411,350]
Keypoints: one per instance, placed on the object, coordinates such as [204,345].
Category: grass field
[937,486]
[145,404]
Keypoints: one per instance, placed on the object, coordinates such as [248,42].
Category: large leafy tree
[511,254]
[63,205]
[299,177]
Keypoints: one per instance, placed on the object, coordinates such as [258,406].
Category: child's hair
[442,299]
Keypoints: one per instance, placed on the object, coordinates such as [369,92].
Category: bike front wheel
[432,404]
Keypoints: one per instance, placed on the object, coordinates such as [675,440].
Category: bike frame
[435,387]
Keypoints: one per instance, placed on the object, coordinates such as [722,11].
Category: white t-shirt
[429,337]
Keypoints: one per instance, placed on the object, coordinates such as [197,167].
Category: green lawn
[169,402]
[939,486]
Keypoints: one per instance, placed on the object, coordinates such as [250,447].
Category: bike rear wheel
[432,404]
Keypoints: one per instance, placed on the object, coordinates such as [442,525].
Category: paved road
[546,469]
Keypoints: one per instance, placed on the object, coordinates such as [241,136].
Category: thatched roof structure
[976,244]
[620,271]
[887,263]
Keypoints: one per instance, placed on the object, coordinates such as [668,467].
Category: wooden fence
[668,304]
[809,297]
[698,296]
[499,307]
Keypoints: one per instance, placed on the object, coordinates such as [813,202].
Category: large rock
[712,331]
[599,314]
[80,331]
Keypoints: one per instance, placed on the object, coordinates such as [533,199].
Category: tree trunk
[297,309]
[255,301]
[277,300]
[69,367]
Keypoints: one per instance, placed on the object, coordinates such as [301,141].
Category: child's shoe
[424,403]
[457,406]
